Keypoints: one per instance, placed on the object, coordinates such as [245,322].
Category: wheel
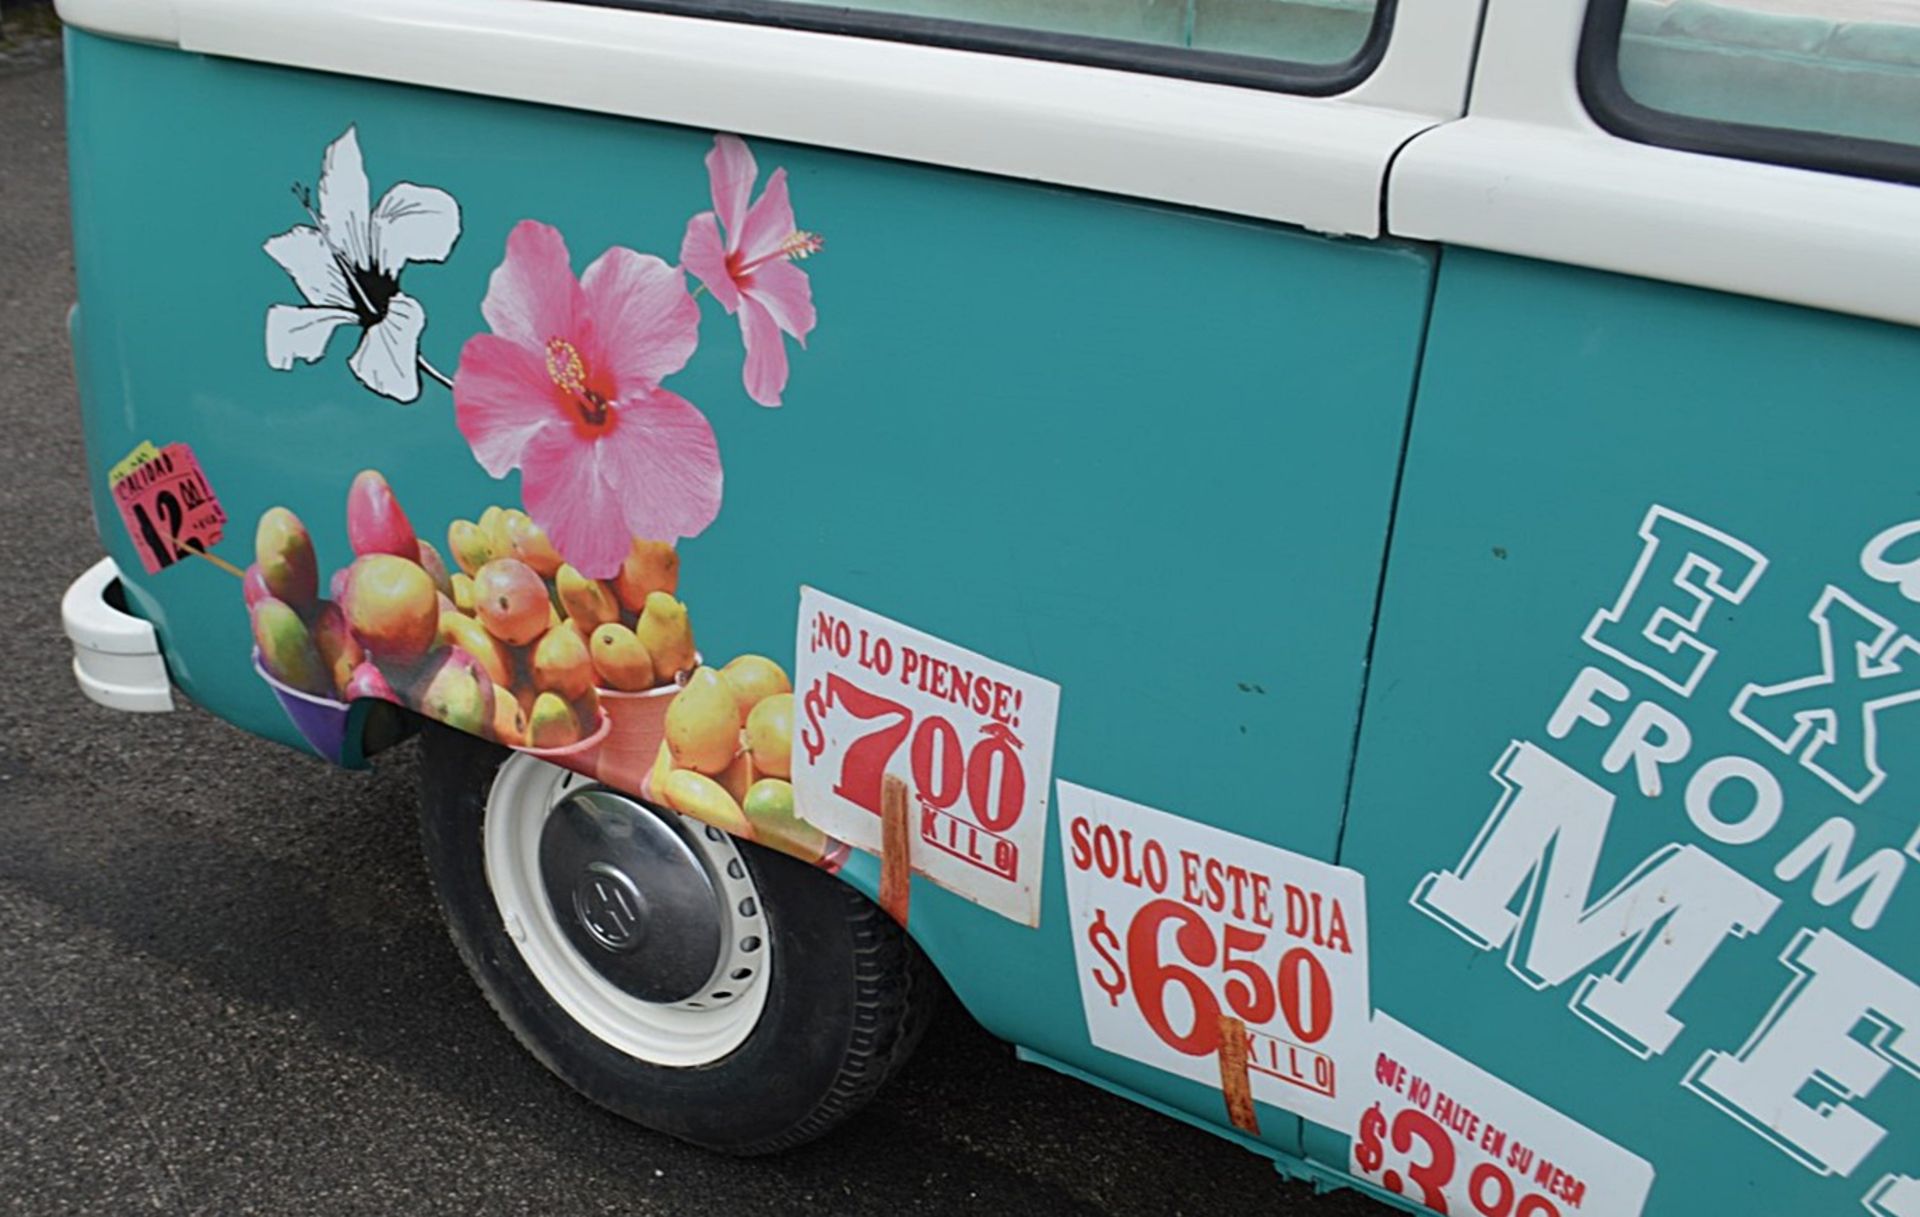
[705,987]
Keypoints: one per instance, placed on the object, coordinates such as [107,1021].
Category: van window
[1828,83]
[1308,46]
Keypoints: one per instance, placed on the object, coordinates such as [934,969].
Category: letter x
[1834,713]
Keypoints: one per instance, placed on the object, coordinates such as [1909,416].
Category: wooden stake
[217,560]
[1235,1083]
[896,862]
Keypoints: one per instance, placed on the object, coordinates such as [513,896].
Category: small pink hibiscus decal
[566,389]
[751,271]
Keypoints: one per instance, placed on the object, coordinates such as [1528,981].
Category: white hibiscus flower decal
[347,264]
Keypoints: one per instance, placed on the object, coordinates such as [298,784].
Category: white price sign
[1218,957]
[1441,1131]
[970,738]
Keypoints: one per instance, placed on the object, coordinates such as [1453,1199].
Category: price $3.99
[1490,1189]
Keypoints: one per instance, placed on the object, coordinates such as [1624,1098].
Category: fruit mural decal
[553,627]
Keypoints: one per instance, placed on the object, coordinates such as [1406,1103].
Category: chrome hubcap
[643,926]
[632,895]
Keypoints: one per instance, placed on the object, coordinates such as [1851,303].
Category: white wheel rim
[697,1031]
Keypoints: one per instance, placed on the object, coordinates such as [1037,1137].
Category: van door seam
[1386,554]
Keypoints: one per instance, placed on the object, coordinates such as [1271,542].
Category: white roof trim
[1528,172]
[1816,239]
[1316,162]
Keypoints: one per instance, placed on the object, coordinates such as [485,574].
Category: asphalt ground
[225,987]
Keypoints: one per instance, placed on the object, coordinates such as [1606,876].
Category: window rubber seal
[1182,63]
[1608,102]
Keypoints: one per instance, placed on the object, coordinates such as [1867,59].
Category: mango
[699,796]
[657,776]
[511,601]
[663,629]
[436,567]
[552,723]
[337,586]
[752,679]
[286,648]
[619,661]
[770,798]
[561,664]
[460,695]
[285,553]
[392,605]
[460,630]
[469,546]
[375,523]
[462,592]
[737,777]
[339,650]
[703,724]
[769,808]
[649,567]
[509,721]
[253,585]
[770,735]
[588,602]
[369,681]
[491,527]
[529,542]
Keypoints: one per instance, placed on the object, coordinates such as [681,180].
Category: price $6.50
[1293,987]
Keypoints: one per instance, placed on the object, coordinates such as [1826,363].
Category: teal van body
[1566,614]
[1003,453]
[1559,412]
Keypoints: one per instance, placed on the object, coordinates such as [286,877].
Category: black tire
[848,993]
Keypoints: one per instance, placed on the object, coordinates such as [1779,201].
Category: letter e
[1684,567]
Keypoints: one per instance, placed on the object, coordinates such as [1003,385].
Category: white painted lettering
[1835,712]
[1541,848]
[1763,812]
[1579,706]
[1903,575]
[1879,872]
[1637,743]
[1893,1196]
[1654,625]
[1808,1041]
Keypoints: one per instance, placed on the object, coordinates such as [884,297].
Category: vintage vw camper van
[1346,569]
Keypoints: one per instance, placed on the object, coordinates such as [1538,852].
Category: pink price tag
[168,507]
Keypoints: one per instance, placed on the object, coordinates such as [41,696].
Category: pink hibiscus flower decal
[566,389]
[751,272]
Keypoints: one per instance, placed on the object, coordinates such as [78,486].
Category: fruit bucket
[639,728]
[639,724]
[321,721]
[581,755]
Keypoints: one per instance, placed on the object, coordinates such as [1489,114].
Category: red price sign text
[1415,1155]
[1214,956]
[1445,1132]
[970,738]
[1261,983]
[168,507]
[987,772]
